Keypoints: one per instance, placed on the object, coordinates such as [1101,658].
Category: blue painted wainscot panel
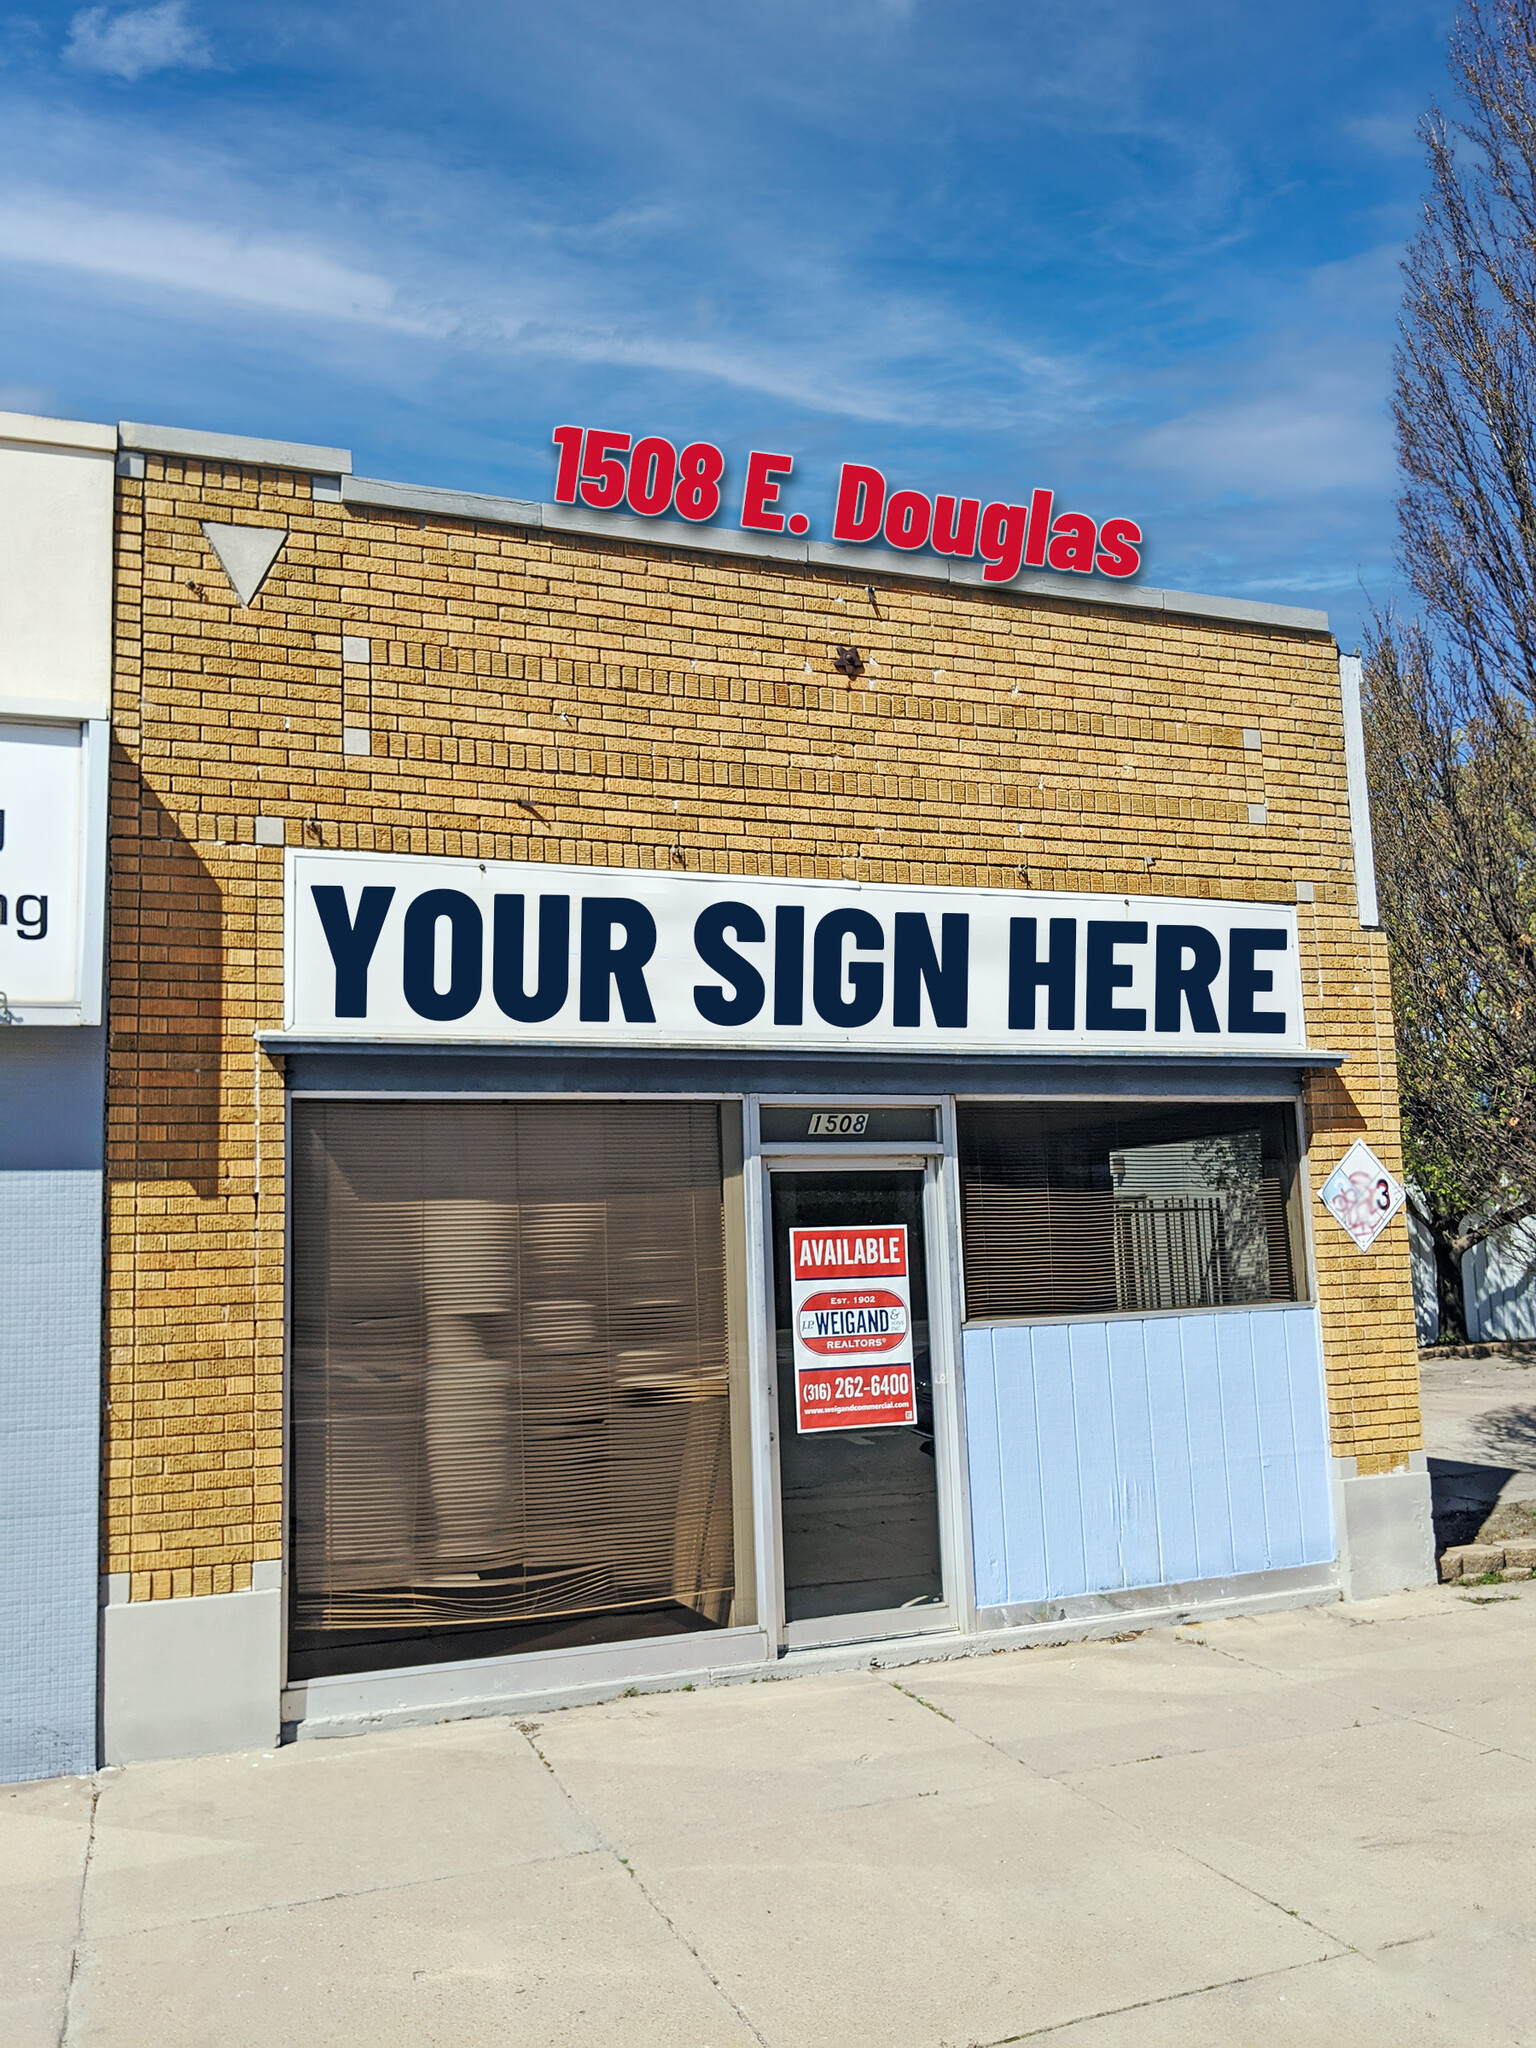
[1145,1453]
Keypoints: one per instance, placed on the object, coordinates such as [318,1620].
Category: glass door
[858,1485]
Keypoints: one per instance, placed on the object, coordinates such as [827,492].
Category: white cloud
[1305,408]
[36,399]
[907,359]
[137,41]
[181,256]
[1324,429]
[1389,135]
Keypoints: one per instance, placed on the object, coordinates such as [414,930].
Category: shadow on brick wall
[1330,1108]
[166,996]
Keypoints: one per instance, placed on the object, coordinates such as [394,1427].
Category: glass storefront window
[1101,1211]
[510,1401]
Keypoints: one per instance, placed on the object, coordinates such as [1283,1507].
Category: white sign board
[1362,1195]
[851,1297]
[51,872]
[384,946]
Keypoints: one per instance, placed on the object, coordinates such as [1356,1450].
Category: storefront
[687,1104]
[936,1303]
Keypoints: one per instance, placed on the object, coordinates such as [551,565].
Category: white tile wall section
[50,1399]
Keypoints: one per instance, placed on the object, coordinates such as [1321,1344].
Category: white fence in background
[1426,1298]
[1498,1278]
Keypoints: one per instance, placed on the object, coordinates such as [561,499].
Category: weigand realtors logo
[614,472]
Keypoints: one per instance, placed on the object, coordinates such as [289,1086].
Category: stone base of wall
[194,1677]
[1385,1528]
[50,1397]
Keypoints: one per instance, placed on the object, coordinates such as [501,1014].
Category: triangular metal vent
[246,554]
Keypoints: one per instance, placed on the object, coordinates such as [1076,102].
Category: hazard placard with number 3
[852,1309]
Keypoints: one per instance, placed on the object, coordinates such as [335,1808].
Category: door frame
[940,1231]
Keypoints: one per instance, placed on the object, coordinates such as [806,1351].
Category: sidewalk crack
[1140,1828]
[1086,2019]
[67,2015]
[907,1693]
[644,1890]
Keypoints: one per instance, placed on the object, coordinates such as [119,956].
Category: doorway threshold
[889,1624]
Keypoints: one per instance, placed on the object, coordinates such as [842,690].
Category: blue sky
[1144,255]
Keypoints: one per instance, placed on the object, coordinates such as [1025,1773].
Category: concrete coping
[55,710]
[233,448]
[853,561]
[32,430]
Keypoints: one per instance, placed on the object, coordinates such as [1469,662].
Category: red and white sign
[851,1301]
[615,472]
[1362,1194]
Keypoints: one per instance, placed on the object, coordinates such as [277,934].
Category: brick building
[681,1102]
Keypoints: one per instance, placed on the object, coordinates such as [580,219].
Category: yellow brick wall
[558,698]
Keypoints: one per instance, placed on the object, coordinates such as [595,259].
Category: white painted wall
[56,564]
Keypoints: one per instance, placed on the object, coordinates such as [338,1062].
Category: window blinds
[1088,1212]
[510,1396]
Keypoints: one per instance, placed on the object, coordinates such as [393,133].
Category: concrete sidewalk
[1480,1425]
[1316,1827]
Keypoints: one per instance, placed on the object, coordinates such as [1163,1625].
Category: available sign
[403,946]
[851,1300]
[649,475]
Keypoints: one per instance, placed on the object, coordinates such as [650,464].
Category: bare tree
[1468,357]
[1453,792]
[1451,703]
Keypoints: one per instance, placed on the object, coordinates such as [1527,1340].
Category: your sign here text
[613,471]
[402,947]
